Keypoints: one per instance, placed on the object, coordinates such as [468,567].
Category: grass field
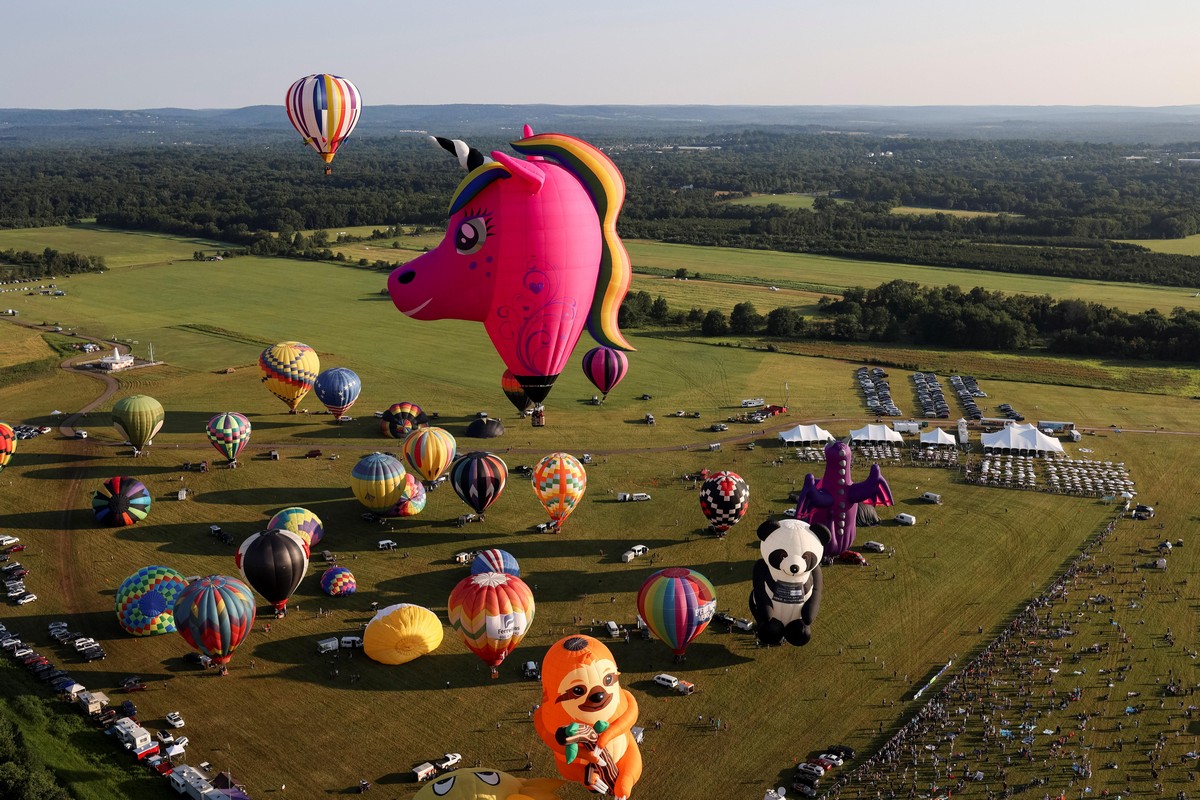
[798,200]
[1187,246]
[971,566]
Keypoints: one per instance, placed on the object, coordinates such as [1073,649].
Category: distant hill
[1123,124]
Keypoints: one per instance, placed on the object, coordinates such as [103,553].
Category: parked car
[448,761]
[669,681]
[874,547]
[26,599]
[832,758]
[852,557]
[175,720]
[94,654]
[906,519]
[531,671]
[811,769]
[847,753]
[165,737]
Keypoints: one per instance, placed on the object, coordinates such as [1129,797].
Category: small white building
[115,362]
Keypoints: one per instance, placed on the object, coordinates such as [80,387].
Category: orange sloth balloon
[585,717]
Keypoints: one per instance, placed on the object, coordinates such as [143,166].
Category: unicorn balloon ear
[522,170]
[468,157]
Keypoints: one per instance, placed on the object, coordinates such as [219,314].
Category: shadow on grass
[133,468]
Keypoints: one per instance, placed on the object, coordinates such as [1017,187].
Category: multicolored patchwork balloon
[145,602]
[338,582]
[605,367]
[8,444]
[412,501]
[677,604]
[378,481]
[121,501]
[491,612]
[400,419]
[215,615]
[479,478]
[301,522]
[289,370]
[337,389]
[495,560]
[559,482]
[428,452]
[724,498]
[229,432]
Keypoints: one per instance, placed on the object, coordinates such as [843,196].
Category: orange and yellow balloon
[289,370]
[428,452]
[559,482]
[491,612]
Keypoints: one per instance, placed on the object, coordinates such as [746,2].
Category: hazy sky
[132,54]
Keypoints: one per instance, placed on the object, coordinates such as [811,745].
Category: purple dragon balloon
[833,500]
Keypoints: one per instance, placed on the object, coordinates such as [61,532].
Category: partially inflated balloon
[495,560]
[138,418]
[491,612]
[479,478]
[428,452]
[378,481]
[214,615]
[558,264]
[724,497]
[398,634]
[400,419]
[229,432]
[412,501]
[121,501]
[301,522]
[605,367]
[559,482]
[145,601]
[288,370]
[324,110]
[337,389]
[515,392]
[8,444]
[488,784]
[273,562]
[677,604]
[338,582]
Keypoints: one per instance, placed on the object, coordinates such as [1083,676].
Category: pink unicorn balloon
[531,251]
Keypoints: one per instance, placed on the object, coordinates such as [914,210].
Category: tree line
[26,265]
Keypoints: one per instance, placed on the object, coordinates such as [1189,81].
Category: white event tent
[937,438]
[803,434]
[876,433]
[1021,438]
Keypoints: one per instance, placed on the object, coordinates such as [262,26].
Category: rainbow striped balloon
[289,370]
[491,612]
[121,501]
[338,582]
[145,602]
[559,482]
[324,110]
[301,522]
[214,615]
[400,419]
[412,502]
[677,604]
[429,451]
[378,481]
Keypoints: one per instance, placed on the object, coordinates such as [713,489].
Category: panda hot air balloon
[491,612]
[8,444]
[289,370]
[338,582]
[478,478]
[605,367]
[121,501]
[273,562]
[724,497]
[145,602]
[378,481]
[337,389]
[215,615]
[401,419]
[677,604]
[229,433]
[301,522]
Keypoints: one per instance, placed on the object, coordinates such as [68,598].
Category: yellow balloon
[400,633]
[289,370]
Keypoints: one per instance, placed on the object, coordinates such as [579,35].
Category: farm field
[797,200]
[970,566]
[1187,246]
[120,248]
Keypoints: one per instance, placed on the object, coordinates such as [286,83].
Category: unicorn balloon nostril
[531,251]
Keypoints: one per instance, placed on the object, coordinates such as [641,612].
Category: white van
[351,641]
[906,519]
[614,630]
[753,402]
[874,547]
[932,497]
[634,552]
[628,497]
[669,681]
[327,645]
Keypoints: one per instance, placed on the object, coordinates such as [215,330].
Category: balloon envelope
[214,615]
[337,389]
[495,560]
[273,562]
[402,418]
[677,604]
[605,367]
[412,501]
[301,522]
[338,582]
[479,478]
[724,498]
[559,482]
[515,392]
[8,444]
[229,432]
[428,452]
[288,370]
[398,634]
[488,784]
[324,109]
[491,612]
[121,501]
[138,418]
[378,481]
[145,601]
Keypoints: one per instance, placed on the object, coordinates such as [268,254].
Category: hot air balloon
[288,370]
[145,602]
[515,392]
[214,615]
[495,560]
[558,265]
[378,481]
[412,501]
[488,784]
[121,501]
[138,418]
[833,499]
[605,367]
[400,419]
[398,634]
[491,612]
[724,497]
[8,444]
[559,481]
[301,522]
[428,452]
[479,478]
[229,432]
[324,109]
[273,562]
[677,604]
[338,582]
[587,719]
[337,389]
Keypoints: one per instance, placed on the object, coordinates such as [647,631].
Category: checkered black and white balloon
[724,497]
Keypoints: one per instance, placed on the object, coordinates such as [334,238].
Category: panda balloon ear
[767,528]
[822,533]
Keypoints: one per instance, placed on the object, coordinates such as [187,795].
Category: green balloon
[138,418]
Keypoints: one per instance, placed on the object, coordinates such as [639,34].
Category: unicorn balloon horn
[531,251]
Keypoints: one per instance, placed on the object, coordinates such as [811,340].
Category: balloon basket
[495,673]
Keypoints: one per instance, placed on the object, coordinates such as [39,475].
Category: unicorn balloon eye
[558,266]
